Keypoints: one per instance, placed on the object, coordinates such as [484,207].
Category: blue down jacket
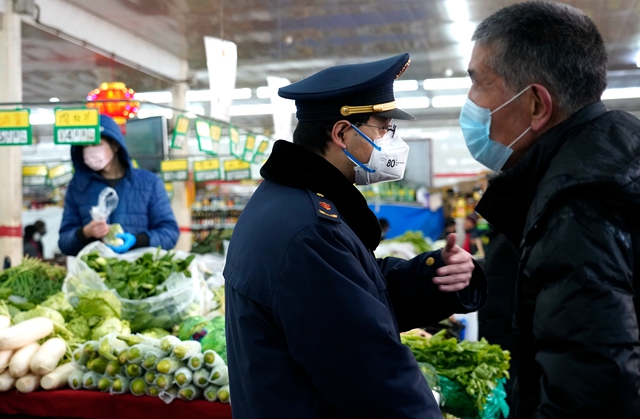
[143,205]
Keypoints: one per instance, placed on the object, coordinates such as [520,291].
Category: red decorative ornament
[120,111]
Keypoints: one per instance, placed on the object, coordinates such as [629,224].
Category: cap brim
[396,114]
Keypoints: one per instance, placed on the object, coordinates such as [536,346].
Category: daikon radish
[58,378]
[48,356]
[19,364]
[5,357]
[5,322]
[22,334]
[6,381]
[28,383]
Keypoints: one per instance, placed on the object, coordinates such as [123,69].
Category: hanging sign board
[237,170]
[174,170]
[79,126]
[61,174]
[15,128]
[169,188]
[216,133]
[206,170]
[203,132]
[249,145]
[257,157]
[34,175]
[179,138]
[234,142]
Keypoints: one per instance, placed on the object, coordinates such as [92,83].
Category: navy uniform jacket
[313,318]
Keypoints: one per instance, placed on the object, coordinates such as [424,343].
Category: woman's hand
[96,229]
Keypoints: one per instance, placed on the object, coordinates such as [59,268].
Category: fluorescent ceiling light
[461,31]
[405,85]
[154,111]
[447,83]
[448,101]
[205,95]
[419,102]
[263,92]
[457,10]
[621,93]
[54,99]
[42,117]
[638,59]
[194,109]
[155,97]
[262,109]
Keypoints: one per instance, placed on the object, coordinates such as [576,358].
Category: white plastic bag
[107,203]
[184,297]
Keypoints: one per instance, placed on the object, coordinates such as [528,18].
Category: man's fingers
[456,268]
[452,288]
[451,242]
[463,278]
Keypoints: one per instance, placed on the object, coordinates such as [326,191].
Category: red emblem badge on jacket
[325,206]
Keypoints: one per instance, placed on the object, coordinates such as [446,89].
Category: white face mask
[387,162]
[97,157]
[36,237]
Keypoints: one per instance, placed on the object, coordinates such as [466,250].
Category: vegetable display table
[93,404]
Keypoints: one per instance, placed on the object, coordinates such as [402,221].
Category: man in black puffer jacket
[568,199]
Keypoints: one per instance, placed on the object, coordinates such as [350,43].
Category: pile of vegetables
[166,368]
[469,372]
[140,279]
[30,357]
[210,333]
[213,243]
[30,283]
[416,238]
[110,239]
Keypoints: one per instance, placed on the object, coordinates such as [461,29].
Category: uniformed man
[313,318]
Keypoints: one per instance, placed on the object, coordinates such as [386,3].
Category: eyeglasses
[391,128]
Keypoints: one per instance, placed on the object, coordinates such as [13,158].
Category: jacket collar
[508,203]
[294,166]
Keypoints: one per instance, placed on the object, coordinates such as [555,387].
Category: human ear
[337,133]
[541,107]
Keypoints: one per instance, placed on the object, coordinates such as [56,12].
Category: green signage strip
[234,142]
[237,170]
[206,170]
[15,128]
[174,170]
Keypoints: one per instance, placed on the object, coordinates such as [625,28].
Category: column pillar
[10,156]
[182,191]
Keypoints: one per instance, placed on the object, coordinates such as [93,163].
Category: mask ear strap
[521,135]
[353,159]
[510,100]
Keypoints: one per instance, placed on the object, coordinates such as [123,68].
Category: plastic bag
[107,203]
[184,297]
[456,401]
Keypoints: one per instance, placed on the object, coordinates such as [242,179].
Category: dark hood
[294,166]
[108,129]
[595,150]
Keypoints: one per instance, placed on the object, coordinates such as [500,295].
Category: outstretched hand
[458,269]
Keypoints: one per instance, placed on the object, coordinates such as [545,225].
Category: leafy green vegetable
[33,279]
[155,332]
[139,279]
[110,239]
[79,327]
[47,312]
[99,303]
[477,366]
[414,237]
[110,325]
[59,302]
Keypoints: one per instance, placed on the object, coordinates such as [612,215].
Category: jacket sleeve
[584,320]
[163,228]
[69,241]
[417,301]
[337,326]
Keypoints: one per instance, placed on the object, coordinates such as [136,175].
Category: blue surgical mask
[476,123]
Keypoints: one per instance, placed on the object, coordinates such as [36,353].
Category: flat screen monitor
[147,141]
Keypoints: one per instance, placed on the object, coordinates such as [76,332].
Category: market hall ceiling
[292,39]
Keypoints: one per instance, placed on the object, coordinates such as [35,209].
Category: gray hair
[551,44]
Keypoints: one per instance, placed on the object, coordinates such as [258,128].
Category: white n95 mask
[388,159]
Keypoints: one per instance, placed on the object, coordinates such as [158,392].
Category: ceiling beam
[74,24]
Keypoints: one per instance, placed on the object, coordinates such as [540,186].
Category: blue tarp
[403,218]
